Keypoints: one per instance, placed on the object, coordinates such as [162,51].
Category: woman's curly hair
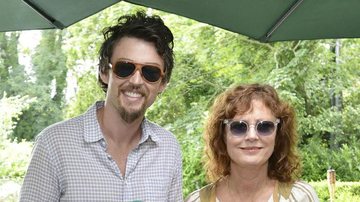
[284,163]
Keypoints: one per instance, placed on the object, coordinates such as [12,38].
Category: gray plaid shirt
[70,163]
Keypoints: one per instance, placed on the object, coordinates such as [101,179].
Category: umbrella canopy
[265,21]
[272,20]
[16,15]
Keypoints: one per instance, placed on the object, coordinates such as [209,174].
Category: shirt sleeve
[41,181]
[175,192]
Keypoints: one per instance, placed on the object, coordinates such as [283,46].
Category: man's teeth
[132,94]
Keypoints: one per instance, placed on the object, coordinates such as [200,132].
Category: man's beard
[130,117]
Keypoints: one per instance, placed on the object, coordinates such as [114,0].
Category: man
[111,152]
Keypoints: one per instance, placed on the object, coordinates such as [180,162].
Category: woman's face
[251,149]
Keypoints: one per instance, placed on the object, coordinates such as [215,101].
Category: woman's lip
[251,148]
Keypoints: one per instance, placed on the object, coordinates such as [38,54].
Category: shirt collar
[148,133]
[92,131]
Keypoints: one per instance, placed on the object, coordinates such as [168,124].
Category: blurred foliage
[10,109]
[208,60]
[344,191]
[14,159]
[13,156]
[46,82]
[317,158]
[12,75]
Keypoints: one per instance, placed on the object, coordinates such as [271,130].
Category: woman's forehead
[254,107]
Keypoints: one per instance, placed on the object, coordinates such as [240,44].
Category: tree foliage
[14,157]
[48,85]
[10,110]
[12,75]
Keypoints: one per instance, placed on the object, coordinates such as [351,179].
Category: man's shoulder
[161,134]
[62,129]
[69,127]
[154,126]
[158,130]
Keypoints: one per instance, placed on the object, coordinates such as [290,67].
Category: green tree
[12,74]
[13,156]
[50,71]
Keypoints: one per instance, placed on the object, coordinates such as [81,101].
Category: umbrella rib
[43,14]
[281,20]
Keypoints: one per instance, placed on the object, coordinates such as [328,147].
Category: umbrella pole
[331,179]
[282,18]
[43,14]
[336,105]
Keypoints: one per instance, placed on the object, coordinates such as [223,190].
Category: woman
[251,153]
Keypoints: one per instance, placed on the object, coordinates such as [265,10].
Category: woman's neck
[249,185]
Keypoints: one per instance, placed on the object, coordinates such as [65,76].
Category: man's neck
[115,129]
[121,137]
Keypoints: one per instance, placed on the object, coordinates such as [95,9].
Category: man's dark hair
[138,25]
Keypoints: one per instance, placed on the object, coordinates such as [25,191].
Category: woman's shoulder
[304,190]
[298,191]
[206,191]
[193,197]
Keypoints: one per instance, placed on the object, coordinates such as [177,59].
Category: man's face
[131,96]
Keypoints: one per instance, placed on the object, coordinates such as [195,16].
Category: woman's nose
[251,134]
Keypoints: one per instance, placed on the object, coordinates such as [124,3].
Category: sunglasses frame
[228,122]
[138,67]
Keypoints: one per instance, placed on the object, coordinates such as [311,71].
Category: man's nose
[136,78]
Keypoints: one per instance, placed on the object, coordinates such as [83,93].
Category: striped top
[297,192]
[69,163]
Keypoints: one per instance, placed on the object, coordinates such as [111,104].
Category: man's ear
[162,87]
[105,76]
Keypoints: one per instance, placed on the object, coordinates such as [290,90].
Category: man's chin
[131,116]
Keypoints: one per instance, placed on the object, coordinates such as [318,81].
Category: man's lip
[133,90]
[136,94]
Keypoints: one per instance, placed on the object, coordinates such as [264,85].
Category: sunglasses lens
[124,69]
[265,128]
[151,73]
[238,128]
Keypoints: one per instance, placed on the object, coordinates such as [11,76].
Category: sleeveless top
[283,192]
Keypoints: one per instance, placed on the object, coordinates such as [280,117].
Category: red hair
[284,164]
